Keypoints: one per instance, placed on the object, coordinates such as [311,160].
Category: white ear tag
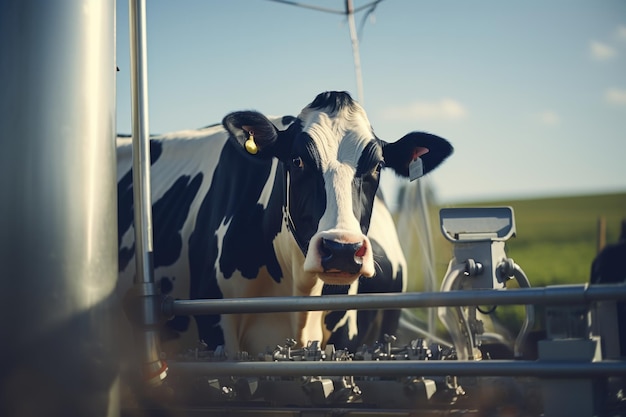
[416,169]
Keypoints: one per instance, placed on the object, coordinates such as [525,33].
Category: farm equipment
[421,377]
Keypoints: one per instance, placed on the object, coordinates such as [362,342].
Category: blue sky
[532,94]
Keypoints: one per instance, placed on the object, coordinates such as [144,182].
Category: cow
[608,268]
[288,206]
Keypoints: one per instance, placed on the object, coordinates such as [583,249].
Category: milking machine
[422,377]
[479,262]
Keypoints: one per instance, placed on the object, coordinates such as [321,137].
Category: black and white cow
[283,207]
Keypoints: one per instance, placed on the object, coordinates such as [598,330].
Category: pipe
[397,369]
[453,318]
[550,295]
[146,297]
[529,320]
[410,326]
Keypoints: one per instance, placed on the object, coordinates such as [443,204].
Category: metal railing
[550,369]
[551,295]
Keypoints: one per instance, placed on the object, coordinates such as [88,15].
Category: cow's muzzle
[343,257]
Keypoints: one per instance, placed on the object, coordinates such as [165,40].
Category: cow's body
[298,217]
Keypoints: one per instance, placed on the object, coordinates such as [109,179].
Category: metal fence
[552,295]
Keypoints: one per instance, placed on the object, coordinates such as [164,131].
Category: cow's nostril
[325,252]
[360,252]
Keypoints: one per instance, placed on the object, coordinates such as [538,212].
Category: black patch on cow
[307,194]
[332,101]
[287,120]
[125,217]
[125,206]
[335,289]
[177,325]
[340,337]
[370,159]
[247,245]
[383,282]
[398,155]
[607,268]
[169,214]
[365,183]
[165,285]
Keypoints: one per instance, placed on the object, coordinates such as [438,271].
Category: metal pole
[354,39]
[396,369]
[145,291]
[552,295]
[58,214]
[141,140]
[429,249]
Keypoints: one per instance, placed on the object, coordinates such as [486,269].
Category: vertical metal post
[141,138]
[430,276]
[58,221]
[147,332]
[354,39]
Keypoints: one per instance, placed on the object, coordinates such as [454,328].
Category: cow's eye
[297,162]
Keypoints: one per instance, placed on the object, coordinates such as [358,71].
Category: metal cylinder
[58,224]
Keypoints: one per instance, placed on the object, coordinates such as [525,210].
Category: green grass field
[556,242]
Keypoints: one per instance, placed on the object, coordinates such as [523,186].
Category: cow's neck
[306,325]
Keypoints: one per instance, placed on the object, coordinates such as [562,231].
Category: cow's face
[333,162]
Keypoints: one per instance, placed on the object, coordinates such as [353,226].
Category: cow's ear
[416,154]
[252,133]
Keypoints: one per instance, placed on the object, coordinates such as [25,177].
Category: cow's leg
[391,272]
[230,326]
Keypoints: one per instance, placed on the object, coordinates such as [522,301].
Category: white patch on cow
[220,233]
[254,332]
[339,213]
[190,156]
[350,317]
[379,231]
[341,138]
[266,193]
[128,239]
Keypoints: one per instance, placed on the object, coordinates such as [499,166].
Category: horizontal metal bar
[551,295]
[540,369]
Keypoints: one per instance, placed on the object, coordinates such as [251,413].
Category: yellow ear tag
[251,146]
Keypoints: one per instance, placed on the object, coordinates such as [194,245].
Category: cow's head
[333,162]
